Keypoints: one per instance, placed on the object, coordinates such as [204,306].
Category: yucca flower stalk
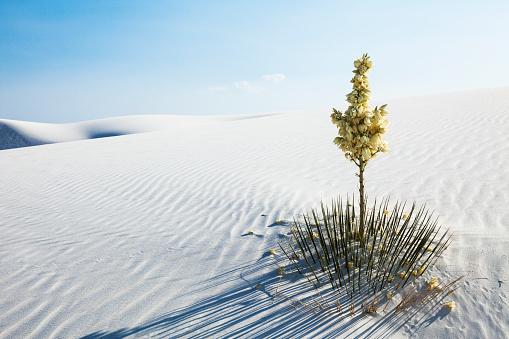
[361,128]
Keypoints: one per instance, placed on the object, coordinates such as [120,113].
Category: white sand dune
[15,134]
[145,234]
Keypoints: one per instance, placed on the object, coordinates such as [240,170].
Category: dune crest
[16,134]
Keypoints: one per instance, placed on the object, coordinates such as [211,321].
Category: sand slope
[15,134]
[145,234]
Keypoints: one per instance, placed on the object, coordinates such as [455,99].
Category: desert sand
[144,234]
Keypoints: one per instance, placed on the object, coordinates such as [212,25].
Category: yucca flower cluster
[361,128]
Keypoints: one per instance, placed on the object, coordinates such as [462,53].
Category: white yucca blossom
[450,304]
[433,284]
[360,127]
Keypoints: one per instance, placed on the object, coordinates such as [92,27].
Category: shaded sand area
[145,234]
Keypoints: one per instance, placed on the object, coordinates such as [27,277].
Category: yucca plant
[364,252]
[326,246]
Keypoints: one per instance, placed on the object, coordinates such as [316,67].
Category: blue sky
[68,61]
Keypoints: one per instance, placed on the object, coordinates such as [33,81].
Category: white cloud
[278,77]
[245,86]
[217,88]
[240,85]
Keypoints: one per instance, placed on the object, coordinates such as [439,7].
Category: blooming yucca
[360,127]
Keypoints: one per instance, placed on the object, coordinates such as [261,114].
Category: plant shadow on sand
[247,311]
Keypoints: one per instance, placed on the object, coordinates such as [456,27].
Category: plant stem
[362,166]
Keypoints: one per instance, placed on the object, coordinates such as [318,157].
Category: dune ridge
[16,134]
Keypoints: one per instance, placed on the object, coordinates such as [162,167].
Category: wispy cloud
[217,88]
[277,77]
[246,86]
